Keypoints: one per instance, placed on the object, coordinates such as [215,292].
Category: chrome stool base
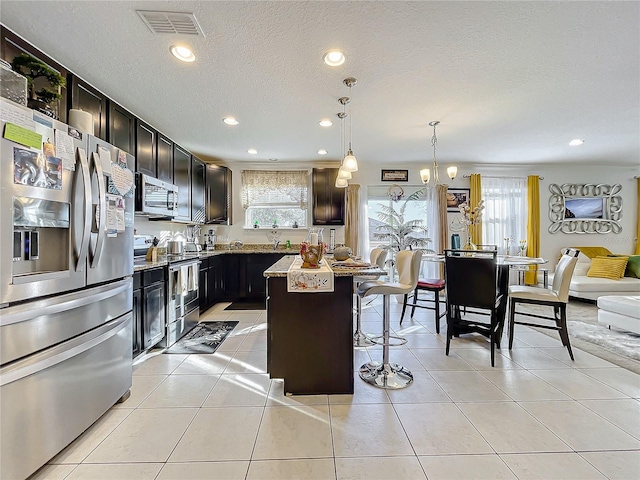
[361,339]
[390,376]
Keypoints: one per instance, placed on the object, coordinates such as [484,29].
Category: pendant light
[350,163]
[343,175]
[425,173]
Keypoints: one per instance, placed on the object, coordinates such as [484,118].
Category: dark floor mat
[205,337]
[246,306]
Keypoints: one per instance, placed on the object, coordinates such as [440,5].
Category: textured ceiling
[510,82]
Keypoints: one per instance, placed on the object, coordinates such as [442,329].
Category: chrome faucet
[275,244]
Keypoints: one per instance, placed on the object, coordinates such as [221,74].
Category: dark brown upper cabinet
[85,97]
[328,200]
[164,155]
[197,190]
[182,180]
[11,46]
[218,195]
[145,149]
[122,128]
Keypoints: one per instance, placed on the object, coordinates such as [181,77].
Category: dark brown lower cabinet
[137,315]
[321,366]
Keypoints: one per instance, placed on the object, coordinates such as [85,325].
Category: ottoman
[622,312]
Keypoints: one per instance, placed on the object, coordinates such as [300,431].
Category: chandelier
[425,173]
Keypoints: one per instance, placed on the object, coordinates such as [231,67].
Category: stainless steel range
[183,312]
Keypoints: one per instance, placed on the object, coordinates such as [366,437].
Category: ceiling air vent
[170,22]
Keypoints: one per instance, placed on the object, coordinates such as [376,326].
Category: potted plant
[33,69]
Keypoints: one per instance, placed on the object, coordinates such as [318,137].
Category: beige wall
[370,175]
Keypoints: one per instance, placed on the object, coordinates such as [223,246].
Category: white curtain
[505,214]
[260,187]
[363,225]
[432,269]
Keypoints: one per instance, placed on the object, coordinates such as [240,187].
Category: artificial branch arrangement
[471,216]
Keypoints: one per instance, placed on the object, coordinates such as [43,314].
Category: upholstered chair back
[564,272]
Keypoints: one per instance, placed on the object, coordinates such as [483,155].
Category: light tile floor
[535,415]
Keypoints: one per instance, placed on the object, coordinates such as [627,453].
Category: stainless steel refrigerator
[66,266]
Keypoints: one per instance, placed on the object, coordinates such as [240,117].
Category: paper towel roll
[81,120]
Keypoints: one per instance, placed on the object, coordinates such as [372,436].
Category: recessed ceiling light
[333,58]
[325,123]
[575,142]
[322,151]
[230,121]
[252,151]
[273,159]
[182,53]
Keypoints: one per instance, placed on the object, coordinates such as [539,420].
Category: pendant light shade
[342,173]
[425,175]
[452,172]
[341,182]
[350,163]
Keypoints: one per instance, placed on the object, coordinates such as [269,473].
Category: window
[505,214]
[275,197]
[423,208]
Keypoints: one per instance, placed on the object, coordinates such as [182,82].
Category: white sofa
[590,288]
[622,312]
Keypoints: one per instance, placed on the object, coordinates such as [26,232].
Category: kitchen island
[310,335]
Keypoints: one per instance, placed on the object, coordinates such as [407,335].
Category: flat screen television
[583,207]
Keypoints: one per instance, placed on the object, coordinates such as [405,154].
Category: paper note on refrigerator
[105,159]
[120,223]
[65,149]
[23,136]
[17,115]
[112,220]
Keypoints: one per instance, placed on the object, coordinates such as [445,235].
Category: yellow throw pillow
[608,267]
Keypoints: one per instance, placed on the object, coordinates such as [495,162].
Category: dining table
[504,264]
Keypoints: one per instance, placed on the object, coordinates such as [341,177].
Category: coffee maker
[210,239]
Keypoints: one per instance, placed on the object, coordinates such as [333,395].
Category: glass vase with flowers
[471,217]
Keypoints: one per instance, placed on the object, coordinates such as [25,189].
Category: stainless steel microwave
[155,197]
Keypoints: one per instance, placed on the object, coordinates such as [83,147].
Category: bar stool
[377,257]
[391,375]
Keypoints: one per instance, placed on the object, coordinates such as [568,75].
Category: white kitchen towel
[309,280]
[184,280]
[193,277]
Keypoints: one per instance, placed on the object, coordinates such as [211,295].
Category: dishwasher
[183,312]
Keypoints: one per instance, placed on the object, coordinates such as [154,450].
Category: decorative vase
[469,245]
[314,237]
[311,255]
[341,252]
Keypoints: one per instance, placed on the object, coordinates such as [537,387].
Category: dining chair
[391,375]
[557,297]
[433,285]
[376,257]
[472,286]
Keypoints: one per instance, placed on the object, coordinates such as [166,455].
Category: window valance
[275,188]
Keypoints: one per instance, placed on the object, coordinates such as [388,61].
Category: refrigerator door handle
[102,209]
[83,250]
[61,353]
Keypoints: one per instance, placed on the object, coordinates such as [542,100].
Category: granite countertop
[281,267]
[164,260]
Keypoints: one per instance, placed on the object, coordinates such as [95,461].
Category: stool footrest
[376,340]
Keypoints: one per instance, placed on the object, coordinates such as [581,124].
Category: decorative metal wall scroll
[585,208]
